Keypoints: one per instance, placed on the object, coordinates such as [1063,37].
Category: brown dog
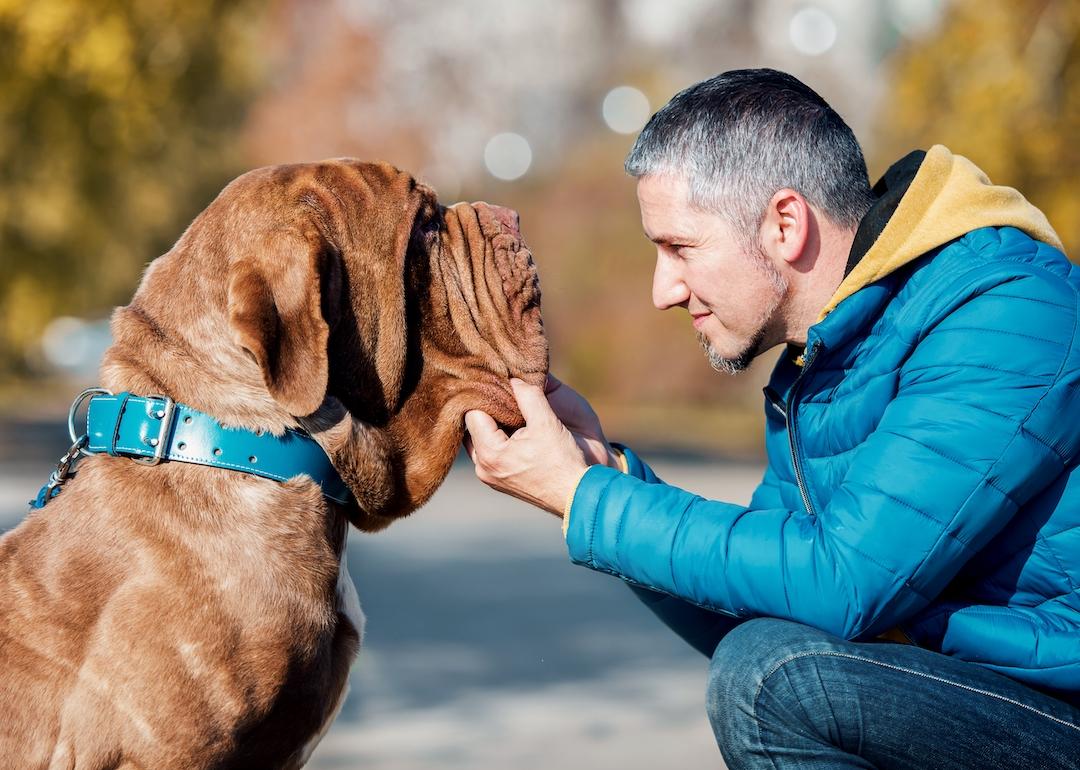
[182,616]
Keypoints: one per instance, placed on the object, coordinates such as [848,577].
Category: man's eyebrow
[667,240]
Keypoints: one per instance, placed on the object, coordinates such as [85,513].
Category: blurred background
[120,120]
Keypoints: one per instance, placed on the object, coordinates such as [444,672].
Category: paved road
[485,647]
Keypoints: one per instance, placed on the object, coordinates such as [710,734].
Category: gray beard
[755,347]
[737,364]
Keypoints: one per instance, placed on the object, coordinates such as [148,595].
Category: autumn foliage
[117,124]
[999,82]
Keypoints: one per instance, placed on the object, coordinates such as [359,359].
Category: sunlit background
[119,121]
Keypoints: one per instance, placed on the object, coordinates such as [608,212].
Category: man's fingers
[484,432]
[532,402]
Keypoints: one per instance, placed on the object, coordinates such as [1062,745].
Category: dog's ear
[387,203]
[277,296]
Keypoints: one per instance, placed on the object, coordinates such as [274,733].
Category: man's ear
[275,306]
[786,226]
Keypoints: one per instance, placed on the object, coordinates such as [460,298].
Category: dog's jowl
[300,360]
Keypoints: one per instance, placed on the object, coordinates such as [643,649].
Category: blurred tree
[116,127]
[998,82]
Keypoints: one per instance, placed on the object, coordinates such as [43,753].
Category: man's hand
[542,462]
[579,418]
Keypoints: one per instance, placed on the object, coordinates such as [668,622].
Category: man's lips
[699,319]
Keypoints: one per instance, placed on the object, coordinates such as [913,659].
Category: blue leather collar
[151,429]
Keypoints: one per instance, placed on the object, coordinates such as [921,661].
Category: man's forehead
[666,213]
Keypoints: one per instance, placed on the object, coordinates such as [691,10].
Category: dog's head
[365,284]
[344,284]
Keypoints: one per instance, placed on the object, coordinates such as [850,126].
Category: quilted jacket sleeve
[702,629]
[985,407]
[767,494]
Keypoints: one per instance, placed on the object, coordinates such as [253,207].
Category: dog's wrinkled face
[471,316]
[481,321]
[364,289]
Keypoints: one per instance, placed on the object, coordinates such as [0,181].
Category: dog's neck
[148,357]
[392,469]
[392,465]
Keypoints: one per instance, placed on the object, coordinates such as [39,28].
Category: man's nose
[668,288]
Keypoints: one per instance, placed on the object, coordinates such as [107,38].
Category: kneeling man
[903,590]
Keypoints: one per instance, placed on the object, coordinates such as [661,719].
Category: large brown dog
[182,616]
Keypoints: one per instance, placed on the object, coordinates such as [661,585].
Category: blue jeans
[782,695]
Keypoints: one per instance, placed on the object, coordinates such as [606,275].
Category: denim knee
[743,660]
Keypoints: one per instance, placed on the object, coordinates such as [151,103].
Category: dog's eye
[431,218]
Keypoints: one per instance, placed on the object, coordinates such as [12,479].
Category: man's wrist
[616,460]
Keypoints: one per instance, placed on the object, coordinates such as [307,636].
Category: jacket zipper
[790,418]
[776,402]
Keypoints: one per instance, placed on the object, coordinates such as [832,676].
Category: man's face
[733,297]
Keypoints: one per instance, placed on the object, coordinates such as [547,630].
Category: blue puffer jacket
[922,459]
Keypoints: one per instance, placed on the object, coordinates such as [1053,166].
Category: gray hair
[742,135]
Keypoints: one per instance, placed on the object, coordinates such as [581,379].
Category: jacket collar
[927,200]
[887,194]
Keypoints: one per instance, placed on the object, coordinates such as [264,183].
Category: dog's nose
[507,217]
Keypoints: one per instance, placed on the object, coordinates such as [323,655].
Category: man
[903,589]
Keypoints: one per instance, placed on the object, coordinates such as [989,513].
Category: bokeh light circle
[508,156]
[812,31]
[626,109]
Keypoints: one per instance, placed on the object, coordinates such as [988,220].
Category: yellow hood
[948,197]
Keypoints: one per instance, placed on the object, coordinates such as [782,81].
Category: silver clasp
[63,471]
[63,467]
[165,414]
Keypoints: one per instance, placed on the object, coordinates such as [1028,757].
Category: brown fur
[180,616]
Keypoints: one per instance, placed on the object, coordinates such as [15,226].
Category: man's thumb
[532,402]
[482,428]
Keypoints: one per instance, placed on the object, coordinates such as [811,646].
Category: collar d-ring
[76,439]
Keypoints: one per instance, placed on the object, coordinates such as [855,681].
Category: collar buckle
[165,414]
